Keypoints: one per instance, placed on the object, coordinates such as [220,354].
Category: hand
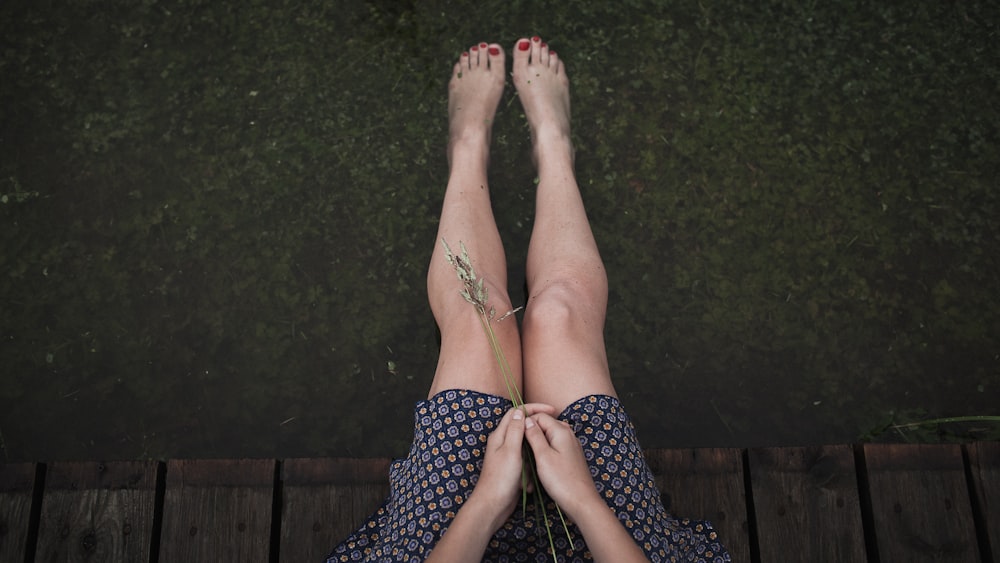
[559,461]
[499,484]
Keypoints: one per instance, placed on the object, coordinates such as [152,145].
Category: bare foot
[473,94]
[543,87]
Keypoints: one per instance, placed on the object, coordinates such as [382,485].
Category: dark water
[216,219]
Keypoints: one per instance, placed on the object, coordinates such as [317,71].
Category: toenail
[551,53]
[523,46]
[544,45]
[494,51]
[473,48]
[482,45]
[464,54]
[536,39]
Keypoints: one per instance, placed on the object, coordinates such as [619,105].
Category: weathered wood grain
[17,481]
[806,504]
[324,500]
[95,511]
[984,466]
[217,510]
[920,503]
[706,484]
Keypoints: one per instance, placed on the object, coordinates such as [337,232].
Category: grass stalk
[475,292]
[946,420]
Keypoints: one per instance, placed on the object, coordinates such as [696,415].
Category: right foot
[473,94]
[543,87]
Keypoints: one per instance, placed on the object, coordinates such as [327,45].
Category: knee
[561,307]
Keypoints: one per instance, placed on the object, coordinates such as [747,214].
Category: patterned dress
[428,487]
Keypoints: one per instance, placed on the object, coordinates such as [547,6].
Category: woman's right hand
[559,461]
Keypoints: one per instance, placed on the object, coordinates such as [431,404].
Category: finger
[503,427]
[515,430]
[536,436]
[499,434]
[556,431]
[545,421]
[534,408]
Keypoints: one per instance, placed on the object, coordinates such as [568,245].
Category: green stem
[476,294]
[516,398]
[541,493]
[508,376]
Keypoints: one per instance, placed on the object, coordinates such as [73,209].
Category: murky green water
[216,219]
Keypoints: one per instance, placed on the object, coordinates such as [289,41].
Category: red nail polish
[551,53]
[482,45]
[464,54]
[494,51]
[474,48]
[536,39]
[544,45]
[523,46]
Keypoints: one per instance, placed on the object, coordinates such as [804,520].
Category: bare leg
[466,360]
[563,343]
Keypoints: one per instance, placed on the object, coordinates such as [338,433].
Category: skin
[561,355]
[566,477]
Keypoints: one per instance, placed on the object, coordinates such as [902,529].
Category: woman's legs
[563,342]
[466,360]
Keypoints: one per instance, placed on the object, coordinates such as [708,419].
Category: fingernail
[523,46]
[528,423]
[518,414]
[536,39]
[494,51]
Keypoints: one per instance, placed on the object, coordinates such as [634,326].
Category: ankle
[554,155]
[468,149]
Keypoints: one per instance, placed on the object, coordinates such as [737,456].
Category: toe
[543,54]
[522,52]
[483,57]
[474,56]
[496,56]
[536,49]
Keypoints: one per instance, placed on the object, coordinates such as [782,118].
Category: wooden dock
[875,503]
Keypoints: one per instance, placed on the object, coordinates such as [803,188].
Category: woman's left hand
[499,484]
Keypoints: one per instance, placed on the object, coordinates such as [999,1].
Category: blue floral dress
[429,485]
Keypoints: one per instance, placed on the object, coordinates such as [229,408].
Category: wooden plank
[984,466]
[94,511]
[217,510]
[806,504]
[920,503]
[706,484]
[324,500]
[17,483]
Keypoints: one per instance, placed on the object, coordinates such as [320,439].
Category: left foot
[543,88]
[473,95]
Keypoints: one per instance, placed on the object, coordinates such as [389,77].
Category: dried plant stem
[476,293]
[508,376]
[981,418]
